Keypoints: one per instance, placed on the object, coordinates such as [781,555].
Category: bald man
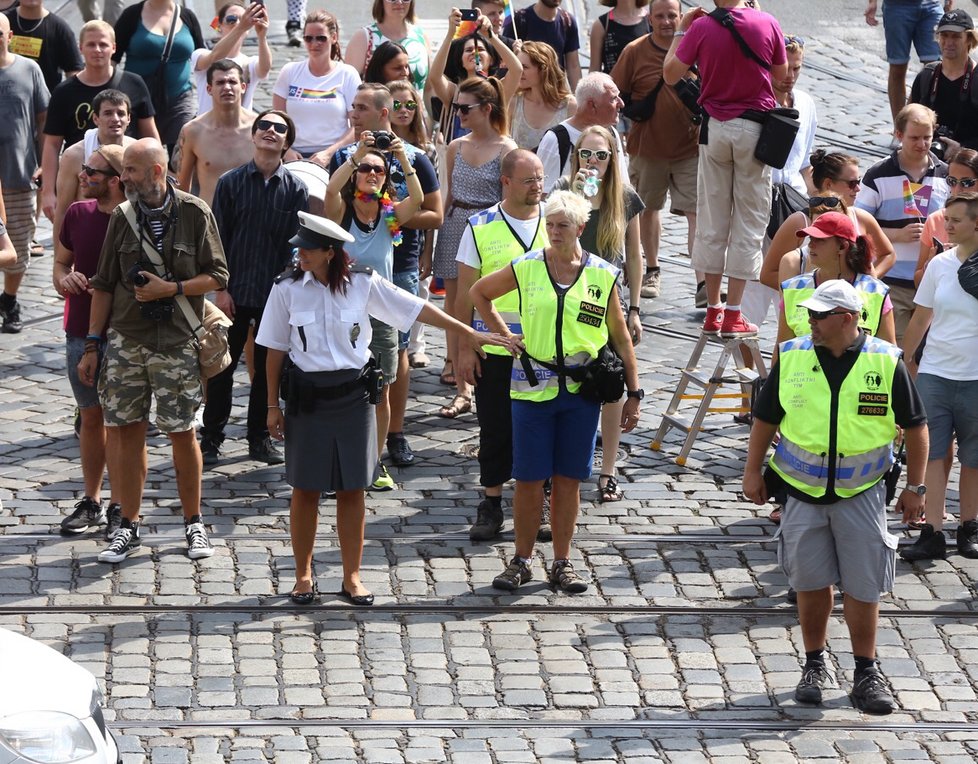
[151,350]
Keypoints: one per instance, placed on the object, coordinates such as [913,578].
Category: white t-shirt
[248,63]
[801,150]
[467,254]
[952,343]
[549,153]
[318,105]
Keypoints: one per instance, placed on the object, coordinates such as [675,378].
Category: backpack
[928,80]
[564,143]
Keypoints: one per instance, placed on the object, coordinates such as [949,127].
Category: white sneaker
[125,541]
[198,545]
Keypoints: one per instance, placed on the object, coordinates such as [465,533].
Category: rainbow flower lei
[387,210]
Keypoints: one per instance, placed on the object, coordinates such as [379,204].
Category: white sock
[718,306]
[733,308]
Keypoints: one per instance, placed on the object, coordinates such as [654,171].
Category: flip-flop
[461,404]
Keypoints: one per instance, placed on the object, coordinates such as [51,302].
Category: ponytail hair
[489,91]
[828,167]
[329,21]
[859,255]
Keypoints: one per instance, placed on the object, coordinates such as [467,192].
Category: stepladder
[730,388]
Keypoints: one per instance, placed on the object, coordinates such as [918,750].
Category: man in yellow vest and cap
[838,395]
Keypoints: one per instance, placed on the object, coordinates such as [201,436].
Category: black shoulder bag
[643,109]
[156,82]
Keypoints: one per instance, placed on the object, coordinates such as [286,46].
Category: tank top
[525,135]
[372,244]
[415,46]
[617,36]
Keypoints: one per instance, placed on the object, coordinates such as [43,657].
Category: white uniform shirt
[328,331]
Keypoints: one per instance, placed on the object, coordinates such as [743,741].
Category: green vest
[797,289]
[571,323]
[497,246]
[865,424]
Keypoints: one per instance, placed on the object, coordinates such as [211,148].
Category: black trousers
[495,420]
[220,387]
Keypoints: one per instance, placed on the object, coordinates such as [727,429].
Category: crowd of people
[533,194]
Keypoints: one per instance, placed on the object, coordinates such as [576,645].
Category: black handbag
[156,82]
[968,275]
[785,202]
[778,133]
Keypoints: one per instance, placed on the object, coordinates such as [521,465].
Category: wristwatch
[920,490]
[639,394]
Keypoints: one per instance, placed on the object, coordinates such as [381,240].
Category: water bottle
[591,184]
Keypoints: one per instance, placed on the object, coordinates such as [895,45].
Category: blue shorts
[914,22]
[952,409]
[555,437]
[408,281]
[85,397]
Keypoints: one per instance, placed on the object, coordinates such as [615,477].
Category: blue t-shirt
[561,34]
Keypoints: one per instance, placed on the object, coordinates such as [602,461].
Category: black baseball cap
[955,21]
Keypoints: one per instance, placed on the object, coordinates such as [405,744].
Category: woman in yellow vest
[569,310]
[836,252]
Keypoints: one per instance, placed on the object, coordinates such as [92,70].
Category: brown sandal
[461,404]
[610,490]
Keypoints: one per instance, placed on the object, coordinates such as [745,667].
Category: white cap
[837,293]
[318,233]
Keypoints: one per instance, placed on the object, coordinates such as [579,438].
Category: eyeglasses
[465,108]
[90,171]
[409,105]
[963,182]
[534,181]
[398,2]
[311,38]
[602,155]
[794,40]
[231,19]
[824,201]
[853,184]
[819,315]
[366,169]
[278,127]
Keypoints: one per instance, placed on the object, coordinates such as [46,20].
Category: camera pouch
[778,133]
[643,109]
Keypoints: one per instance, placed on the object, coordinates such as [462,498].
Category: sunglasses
[824,201]
[366,169]
[465,108]
[311,38]
[602,155]
[409,105]
[278,127]
[963,182]
[794,40]
[232,19]
[853,184]
[90,171]
[819,315]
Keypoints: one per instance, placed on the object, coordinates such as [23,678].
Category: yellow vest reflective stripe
[797,289]
[571,324]
[865,425]
[497,246]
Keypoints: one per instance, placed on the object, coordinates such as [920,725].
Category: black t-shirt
[49,42]
[908,409]
[70,109]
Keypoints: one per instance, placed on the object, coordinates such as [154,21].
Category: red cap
[830,224]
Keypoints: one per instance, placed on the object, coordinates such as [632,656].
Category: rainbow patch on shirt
[313,95]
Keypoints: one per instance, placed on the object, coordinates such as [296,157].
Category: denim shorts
[952,409]
[905,23]
[85,397]
[555,437]
[408,281]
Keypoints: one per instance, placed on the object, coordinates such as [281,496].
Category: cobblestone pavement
[683,650]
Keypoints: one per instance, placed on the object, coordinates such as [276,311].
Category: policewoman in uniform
[568,309]
[837,396]
[319,316]
[836,252]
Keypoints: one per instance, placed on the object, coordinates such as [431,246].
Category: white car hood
[33,677]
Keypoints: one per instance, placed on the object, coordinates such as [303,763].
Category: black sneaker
[967,539]
[210,452]
[399,450]
[293,30]
[930,545]
[88,514]
[113,518]
[564,577]
[516,574]
[265,451]
[870,693]
[198,545]
[488,522]
[809,689]
[11,319]
[125,541]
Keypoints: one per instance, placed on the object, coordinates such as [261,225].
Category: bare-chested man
[219,140]
[111,111]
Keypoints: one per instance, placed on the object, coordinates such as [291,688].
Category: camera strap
[154,257]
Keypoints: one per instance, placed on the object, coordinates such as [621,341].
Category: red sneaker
[735,325]
[714,318]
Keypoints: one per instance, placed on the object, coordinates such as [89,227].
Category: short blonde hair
[95,25]
[917,114]
[573,206]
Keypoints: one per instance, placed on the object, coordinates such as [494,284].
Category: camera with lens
[382,140]
[938,147]
[688,91]
[157,310]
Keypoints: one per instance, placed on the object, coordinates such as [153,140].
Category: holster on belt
[303,396]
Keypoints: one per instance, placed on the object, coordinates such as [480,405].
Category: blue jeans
[911,22]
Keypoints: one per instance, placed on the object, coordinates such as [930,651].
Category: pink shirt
[732,83]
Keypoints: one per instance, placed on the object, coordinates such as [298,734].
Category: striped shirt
[256,218]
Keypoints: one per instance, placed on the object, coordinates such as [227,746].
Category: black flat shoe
[305,598]
[362,600]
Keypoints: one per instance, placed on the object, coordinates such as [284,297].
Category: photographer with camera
[950,87]
[371,111]
[662,143]
[152,350]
